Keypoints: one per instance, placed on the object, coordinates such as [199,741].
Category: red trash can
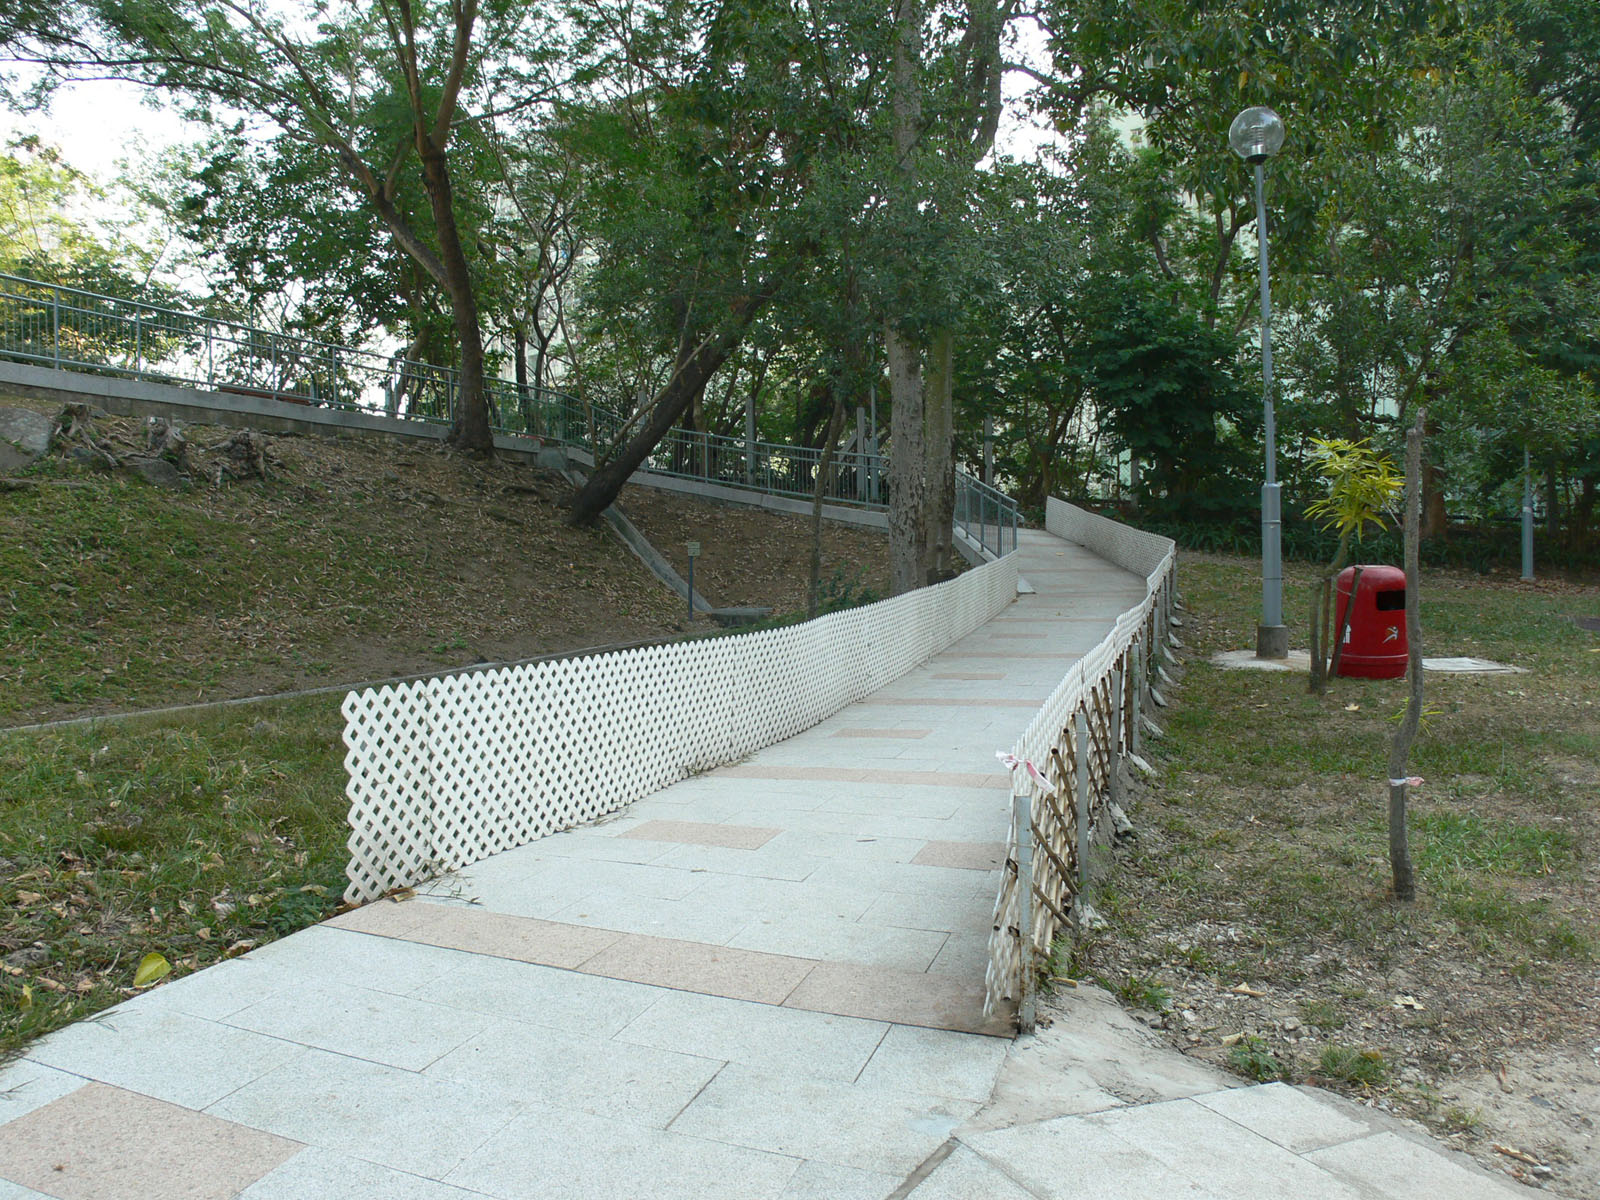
[1375,644]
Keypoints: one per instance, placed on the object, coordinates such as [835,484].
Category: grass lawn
[194,839]
[1261,862]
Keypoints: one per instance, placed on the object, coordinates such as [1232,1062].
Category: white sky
[98,124]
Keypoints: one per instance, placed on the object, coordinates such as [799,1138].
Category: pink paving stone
[698,967]
[968,856]
[959,701]
[699,833]
[104,1143]
[899,997]
[500,935]
[386,918]
[960,779]
[907,734]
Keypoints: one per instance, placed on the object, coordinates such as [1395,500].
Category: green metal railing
[76,330]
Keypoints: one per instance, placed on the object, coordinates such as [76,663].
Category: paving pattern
[762,982]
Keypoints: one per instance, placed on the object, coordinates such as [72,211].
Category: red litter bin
[1375,645]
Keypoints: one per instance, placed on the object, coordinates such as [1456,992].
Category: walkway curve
[761,982]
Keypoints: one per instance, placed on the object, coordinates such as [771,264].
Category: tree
[1445,268]
[378,92]
[944,110]
[1361,484]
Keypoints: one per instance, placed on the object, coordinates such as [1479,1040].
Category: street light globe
[1256,134]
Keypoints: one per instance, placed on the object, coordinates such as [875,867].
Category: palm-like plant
[1361,485]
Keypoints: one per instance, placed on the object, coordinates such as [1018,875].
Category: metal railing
[72,329]
[985,514]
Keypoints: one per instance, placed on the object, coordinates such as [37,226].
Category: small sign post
[694,553]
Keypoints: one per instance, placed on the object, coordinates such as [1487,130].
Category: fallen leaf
[238,948]
[1244,989]
[1352,708]
[27,998]
[27,898]
[1408,1002]
[1519,1155]
[153,968]
[1233,1039]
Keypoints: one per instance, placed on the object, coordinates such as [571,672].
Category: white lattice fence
[446,771]
[1091,718]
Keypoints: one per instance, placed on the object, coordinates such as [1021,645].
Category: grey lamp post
[1256,135]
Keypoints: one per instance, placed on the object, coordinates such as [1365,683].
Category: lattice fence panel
[446,771]
[1050,742]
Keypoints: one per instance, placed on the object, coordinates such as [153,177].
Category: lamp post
[1256,135]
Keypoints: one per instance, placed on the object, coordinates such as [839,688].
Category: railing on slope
[446,771]
[1075,745]
[77,330]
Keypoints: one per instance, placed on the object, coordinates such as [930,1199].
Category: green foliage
[1167,390]
[1143,991]
[1361,485]
[1348,1064]
[845,588]
[1251,1058]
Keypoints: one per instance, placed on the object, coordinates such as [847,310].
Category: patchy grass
[1262,853]
[196,840]
[353,560]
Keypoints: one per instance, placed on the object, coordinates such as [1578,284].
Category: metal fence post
[138,344]
[1022,808]
[211,364]
[1081,722]
[55,325]
[1136,671]
[1114,754]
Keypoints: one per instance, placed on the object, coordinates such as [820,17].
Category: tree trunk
[470,430]
[1324,658]
[908,482]
[938,450]
[696,365]
[824,465]
[1435,519]
[1405,885]
[908,485]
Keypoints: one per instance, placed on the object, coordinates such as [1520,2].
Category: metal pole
[1136,676]
[750,440]
[1114,757]
[988,450]
[1527,516]
[1081,721]
[861,454]
[1022,808]
[55,325]
[1272,638]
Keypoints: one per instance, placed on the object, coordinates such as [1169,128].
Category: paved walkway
[763,982]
